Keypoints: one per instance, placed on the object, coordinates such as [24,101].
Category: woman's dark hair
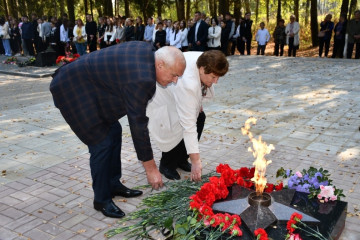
[2,21]
[213,61]
[184,24]
[66,24]
[281,20]
[216,21]
[110,26]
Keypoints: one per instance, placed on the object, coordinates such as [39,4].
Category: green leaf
[181,230]
[168,223]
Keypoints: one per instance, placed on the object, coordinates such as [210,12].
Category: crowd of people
[198,34]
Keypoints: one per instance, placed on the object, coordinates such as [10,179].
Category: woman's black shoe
[169,174]
[186,166]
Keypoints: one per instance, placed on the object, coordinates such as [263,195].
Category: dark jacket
[342,28]
[139,32]
[327,26]
[129,33]
[202,33]
[101,29]
[160,37]
[27,31]
[247,29]
[91,28]
[279,35]
[97,90]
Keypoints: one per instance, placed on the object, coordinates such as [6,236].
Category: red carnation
[296,216]
[290,225]
[269,187]
[261,234]
[236,231]
[279,187]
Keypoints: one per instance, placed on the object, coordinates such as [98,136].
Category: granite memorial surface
[328,217]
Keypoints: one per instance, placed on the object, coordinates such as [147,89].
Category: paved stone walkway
[311,115]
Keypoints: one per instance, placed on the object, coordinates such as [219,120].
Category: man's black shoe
[109,209]
[125,192]
[186,166]
[169,174]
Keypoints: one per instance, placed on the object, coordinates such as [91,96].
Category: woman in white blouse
[64,36]
[176,117]
[120,32]
[109,36]
[214,35]
[175,36]
[184,35]
[80,37]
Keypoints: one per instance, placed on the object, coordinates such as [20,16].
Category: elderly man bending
[176,117]
[94,92]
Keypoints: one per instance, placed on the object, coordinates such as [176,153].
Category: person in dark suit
[91,30]
[129,30]
[95,91]
[247,37]
[199,33]
[139,29]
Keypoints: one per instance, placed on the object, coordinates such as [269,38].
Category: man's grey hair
[170,55]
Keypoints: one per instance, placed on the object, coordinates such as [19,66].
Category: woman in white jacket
[292,36]
[214,35]
[175,36]
[5,36]
[80,37]
[176,117]
[110,31]
[184,35]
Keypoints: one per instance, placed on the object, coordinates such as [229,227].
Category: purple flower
[306,177]
[288,172]
[318,174]
[324,183]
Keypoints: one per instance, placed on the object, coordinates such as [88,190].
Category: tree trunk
[344,7]
[144,7]
[353,4]
[222,6]
[278,15]
[62,7]
[55,8]
[211,7]
[159,4]
[91,9]
[71,11]
[296,10]
[180,9]
[86,6]
[247,6]
[256,11]
[307,12]
[215,8]
[13,8]
[237,10]
[127,8]
[267,11]
[6,9]
[314,24]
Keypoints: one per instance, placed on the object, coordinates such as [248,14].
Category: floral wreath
[217,188]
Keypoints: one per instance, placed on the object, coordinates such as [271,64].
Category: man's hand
[153,175]
[196,167]
[198,43]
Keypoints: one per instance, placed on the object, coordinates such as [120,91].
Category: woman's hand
[196,170]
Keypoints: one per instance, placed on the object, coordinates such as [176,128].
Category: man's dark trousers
[178,154]
[105,164]
[350,49]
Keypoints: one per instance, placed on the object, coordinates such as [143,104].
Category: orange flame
[259,150]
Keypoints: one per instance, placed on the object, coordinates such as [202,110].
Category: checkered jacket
[99,88]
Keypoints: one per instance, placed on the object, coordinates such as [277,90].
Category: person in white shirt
[184,36]
[120,32]
[175,36]
[262,38]
[168,31]
[176,117]
[64,35]
[214,35]
[110,31]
